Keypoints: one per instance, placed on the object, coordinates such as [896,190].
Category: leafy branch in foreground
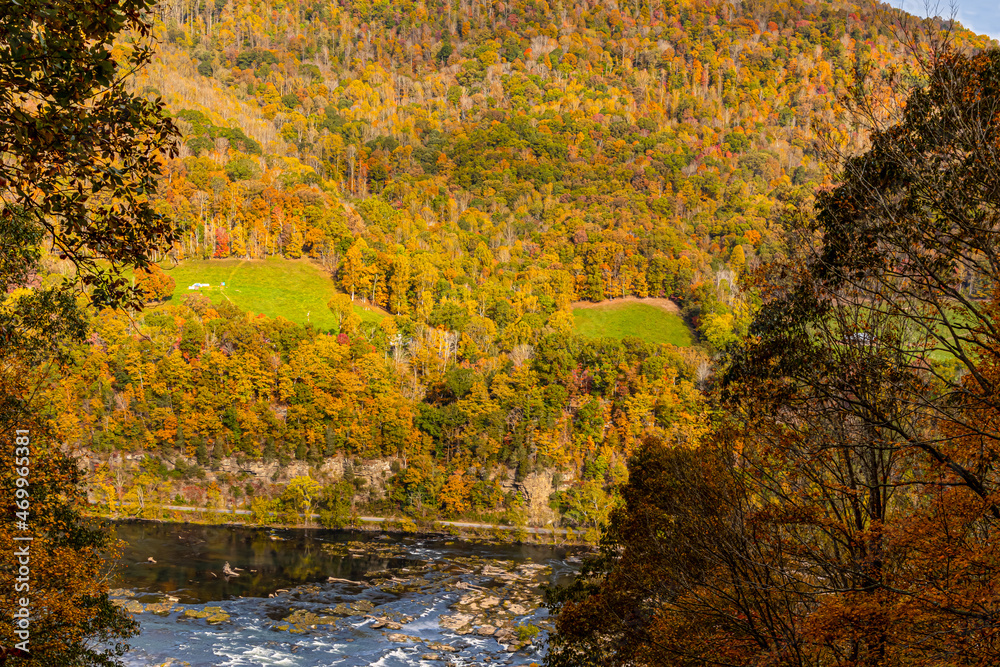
[79,157]
[79,151]
[845,510]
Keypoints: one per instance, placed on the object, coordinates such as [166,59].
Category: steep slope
[611,150]
[472,168]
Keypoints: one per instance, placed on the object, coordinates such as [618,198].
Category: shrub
[243,169]
[527,632]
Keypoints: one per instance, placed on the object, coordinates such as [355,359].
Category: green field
[294,289]
[650,323]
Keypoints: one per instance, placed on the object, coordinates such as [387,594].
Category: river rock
[358,608]
[210,614]
[161,608]
[485,630]
[441,648]
[382,622]
[304,617]
[489,601]
[455,621]
[134,607]
[401,638]
[342,609]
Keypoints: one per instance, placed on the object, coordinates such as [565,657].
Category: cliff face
[120,472]
[375,473]
[536,489]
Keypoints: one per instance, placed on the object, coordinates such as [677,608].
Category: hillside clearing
[297,290]
[652,320]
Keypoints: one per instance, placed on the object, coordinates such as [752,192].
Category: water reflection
[189,559]
[409,605]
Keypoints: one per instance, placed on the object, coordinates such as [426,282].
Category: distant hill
[475,151]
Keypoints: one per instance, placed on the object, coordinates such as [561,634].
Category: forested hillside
[471,168]
[209,385]
[481,154]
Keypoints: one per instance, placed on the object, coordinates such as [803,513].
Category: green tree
[81,149]
[444,53]
[201,453]
[243,169]
[336,504]
[299,496]
[80,157]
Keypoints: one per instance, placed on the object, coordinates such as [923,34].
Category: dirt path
[365,305]
[665,304]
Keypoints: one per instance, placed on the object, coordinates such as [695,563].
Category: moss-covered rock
[210,614]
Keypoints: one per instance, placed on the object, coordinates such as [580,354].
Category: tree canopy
[843,512]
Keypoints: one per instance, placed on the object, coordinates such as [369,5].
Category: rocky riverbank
[425,600]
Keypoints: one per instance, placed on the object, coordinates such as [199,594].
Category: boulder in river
[455,621]
[210,614]
[135,607]
[362,606]
[161,608]
[441,648]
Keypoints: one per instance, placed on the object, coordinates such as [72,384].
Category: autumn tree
[154,283]
[876,327]
[848,514]
[336,503]
[69,605]
[79,158]
[82,150]
[353,270]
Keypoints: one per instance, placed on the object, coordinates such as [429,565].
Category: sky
[980,16]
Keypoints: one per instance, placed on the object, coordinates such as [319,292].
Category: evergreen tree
[201,453]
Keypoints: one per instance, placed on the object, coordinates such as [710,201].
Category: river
[392,600]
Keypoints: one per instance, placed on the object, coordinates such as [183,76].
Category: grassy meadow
[649,323]
[297,290]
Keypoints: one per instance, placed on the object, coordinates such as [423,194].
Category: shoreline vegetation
[243,518]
